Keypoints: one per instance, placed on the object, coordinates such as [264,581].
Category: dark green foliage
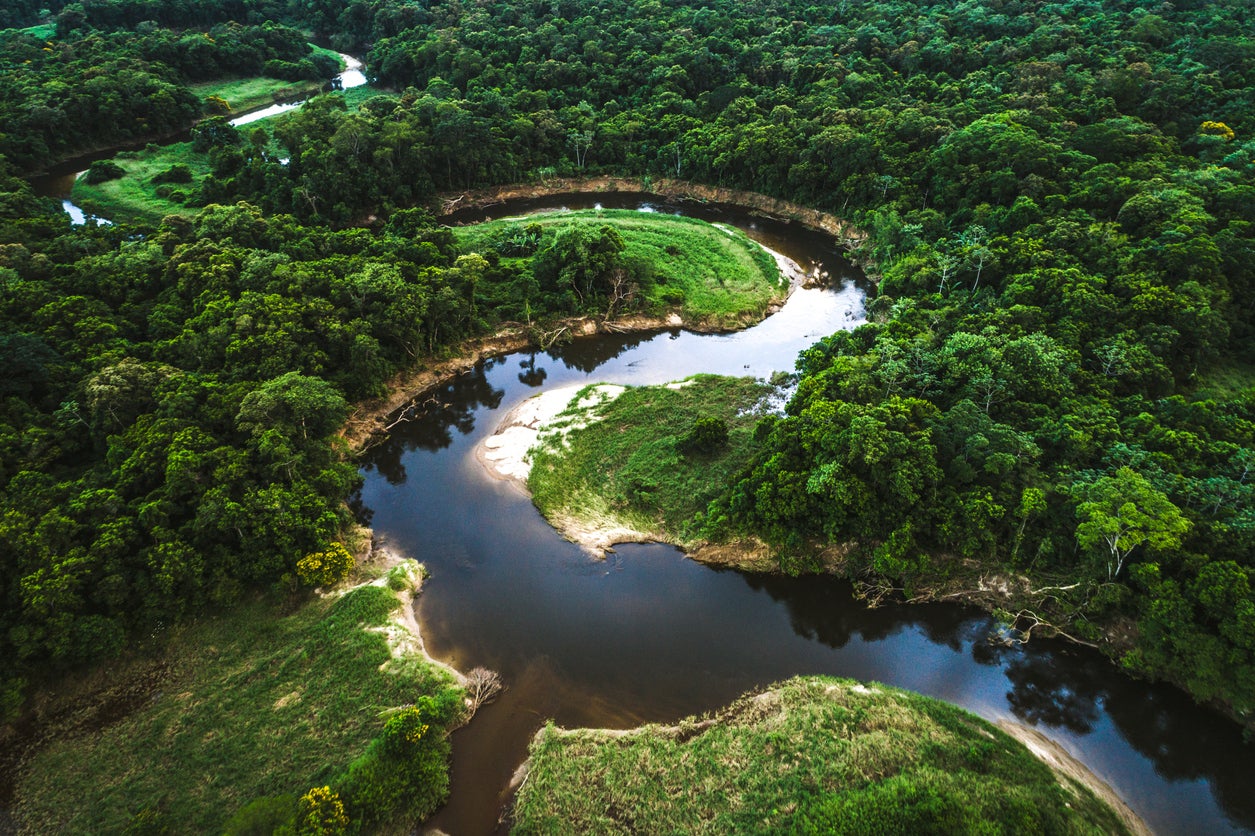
[102,171]
[1057,199]
[178,173]
[86,88]
[707,435]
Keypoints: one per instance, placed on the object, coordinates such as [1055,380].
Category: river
[648,635]
[58,183]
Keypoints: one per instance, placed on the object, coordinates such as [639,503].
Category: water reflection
[430,422]
[587,355]
[650,636]
[532,375]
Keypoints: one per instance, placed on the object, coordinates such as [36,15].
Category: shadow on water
[649,636]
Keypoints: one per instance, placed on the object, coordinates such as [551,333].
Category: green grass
[315,49]
[245,94]
[134,197]
[252,704]
[814,754]
[1227,381]
[711,274]
[44,31]
[627,464]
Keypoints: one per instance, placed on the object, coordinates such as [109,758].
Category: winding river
[648,635]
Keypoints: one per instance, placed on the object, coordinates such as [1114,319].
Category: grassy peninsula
[713,274]
[635,463]
[231,719]
[811,755]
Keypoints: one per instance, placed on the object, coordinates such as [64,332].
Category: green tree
[1121,512]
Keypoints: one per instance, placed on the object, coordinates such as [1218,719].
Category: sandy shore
[1058,759]
[504,453]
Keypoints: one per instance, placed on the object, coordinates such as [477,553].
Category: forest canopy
[1056,378]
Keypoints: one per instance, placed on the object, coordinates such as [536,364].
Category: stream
[650,636]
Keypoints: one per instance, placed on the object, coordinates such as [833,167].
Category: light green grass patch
[811,755]
[253,704]
[135,197]
[245,94]
[44,31]
[622,462]
[710,274]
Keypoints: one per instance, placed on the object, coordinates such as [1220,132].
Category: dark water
[650,636]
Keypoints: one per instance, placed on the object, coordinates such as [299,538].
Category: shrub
[325,568]
[102,171]
[707,435]
[177,173]
[321,813]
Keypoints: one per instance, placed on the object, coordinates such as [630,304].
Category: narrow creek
[648,635]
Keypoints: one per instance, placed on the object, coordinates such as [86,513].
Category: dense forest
[1060,202]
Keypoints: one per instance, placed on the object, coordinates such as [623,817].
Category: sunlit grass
[135,197]
[812,755]
[253,703]
[628,464]
[713,274]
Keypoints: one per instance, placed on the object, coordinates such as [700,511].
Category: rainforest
[1042,406]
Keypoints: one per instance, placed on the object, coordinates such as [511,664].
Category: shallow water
[648,635]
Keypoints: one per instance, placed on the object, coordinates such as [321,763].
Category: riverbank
[845,233]
[269,699]
[810,754]
[375,417]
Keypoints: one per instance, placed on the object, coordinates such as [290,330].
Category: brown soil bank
[372,418]
[845,233]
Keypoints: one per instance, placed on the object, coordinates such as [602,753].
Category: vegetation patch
[157,181]
[253,711]
[245,94]
[812,755]
[648,460]
[710,274]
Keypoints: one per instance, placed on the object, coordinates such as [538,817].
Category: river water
[649,636]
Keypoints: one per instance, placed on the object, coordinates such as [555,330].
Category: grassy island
[233,719]
[811,755]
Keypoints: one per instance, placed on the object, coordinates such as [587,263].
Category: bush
[177,173]
[321,813]
[707,435]
[325,568]
[102,171]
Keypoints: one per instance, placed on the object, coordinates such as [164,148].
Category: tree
[1121,512]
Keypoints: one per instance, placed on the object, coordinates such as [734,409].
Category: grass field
[46,31]
[629,466]
[711,274]
[244,94]
[812,755]
[135,196]
[252,704]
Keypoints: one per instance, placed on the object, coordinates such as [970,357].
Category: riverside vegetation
[1055,381]
[245,712]
[811,755]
